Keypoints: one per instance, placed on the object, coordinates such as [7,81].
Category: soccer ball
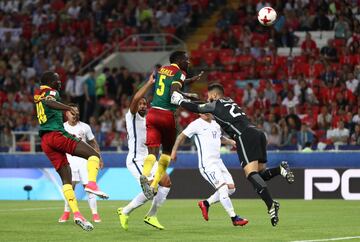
[267,16]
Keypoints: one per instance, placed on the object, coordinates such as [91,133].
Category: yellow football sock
[70,197]
[93,168]
[148,164]
[163,163]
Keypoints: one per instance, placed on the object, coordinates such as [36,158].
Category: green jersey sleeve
[179,78]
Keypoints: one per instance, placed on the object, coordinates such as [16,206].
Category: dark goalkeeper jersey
[226,112]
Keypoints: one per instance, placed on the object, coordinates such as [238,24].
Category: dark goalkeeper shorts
[251,146]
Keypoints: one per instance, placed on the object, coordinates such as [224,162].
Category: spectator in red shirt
[308,46]
[95,47]
[261,102]
[217,39]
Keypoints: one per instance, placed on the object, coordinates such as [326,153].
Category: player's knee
[223,191]
[165,181]
[95,153]
[231,186]
[231,191]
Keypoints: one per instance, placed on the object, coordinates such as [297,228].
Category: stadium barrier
[318,175]
[324,159]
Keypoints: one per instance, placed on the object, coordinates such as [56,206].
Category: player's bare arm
[141,93]
[227,141]
[179,140]
[194,78]
[175,87]
[96,147]
[52,103]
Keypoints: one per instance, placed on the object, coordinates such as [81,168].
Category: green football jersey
[49,119]
[166,76]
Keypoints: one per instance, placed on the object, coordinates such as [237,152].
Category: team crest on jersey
[182,77]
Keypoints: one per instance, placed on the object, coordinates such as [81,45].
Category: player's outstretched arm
[179,140]
[141,93]
[52,103]
[194,78]
[193,96]
[178,99]
[227,141]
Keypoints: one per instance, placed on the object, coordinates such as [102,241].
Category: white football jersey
[136,129]
[207,137]
[82,131]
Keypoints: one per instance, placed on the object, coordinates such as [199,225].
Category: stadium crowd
[65,35]
[299,100]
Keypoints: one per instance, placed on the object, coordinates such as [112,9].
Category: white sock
[225,200]
[66,207]
[214,198]
[139,200]
[92,202]
[158,200]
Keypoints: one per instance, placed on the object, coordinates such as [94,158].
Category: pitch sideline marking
[26,209]
[330,239]
[41,208]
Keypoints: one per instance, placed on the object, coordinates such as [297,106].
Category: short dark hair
[176,56]
[216,87]
[47,77]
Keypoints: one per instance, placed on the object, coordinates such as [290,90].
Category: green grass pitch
[299,220]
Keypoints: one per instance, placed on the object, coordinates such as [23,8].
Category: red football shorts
[160,129]
[56,144]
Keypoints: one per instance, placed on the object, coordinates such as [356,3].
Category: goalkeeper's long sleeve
[199,108]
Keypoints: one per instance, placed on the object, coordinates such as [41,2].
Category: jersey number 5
[41,113]
[232,110]
[160,90]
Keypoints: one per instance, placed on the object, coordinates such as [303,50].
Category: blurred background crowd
[308,97]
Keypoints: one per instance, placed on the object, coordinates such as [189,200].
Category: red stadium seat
[356,59]
[299,59]
[239,75]
[225,77]
[339,43]
[210,57]
[280,60]
[320,133]
[206,45]
[196,57]
[346,59]
[225,53]
[237,30]
[169,30]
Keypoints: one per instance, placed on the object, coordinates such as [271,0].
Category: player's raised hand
[74,111]
[195,78]
[193,96]
[176,98]
[173,156]
[233,143]
[152,78]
